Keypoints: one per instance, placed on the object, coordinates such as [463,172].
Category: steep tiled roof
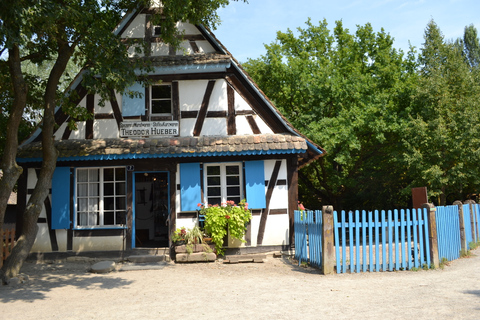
[171,146]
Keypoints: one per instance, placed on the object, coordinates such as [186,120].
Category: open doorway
[152,209]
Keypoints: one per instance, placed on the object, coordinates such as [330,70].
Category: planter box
[200,253]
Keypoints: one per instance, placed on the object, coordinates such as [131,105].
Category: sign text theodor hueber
[148,128]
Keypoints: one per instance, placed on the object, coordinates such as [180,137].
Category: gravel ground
[277,289]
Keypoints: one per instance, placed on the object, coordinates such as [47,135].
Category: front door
[152,208]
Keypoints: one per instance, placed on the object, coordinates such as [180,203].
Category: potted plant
[228,218]
[178,236]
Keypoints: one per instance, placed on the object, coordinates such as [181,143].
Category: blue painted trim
[167,155]
[190,181]
[61,198]
[313,147]
[255,184]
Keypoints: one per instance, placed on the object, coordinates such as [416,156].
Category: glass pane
[93,189]
[233,191]
[82,175]
[82,219]
[82,204]
[120,174]
[108,174]
[232,169]
[121,203]
[93,204]
[214,200]
[214,191]
[213,170]
[92,219]
[233,181]
[213,181]
[161,92]
[82,189]
[109,218]
[120,217]
[120,188]
[161,106]
[108,189]
[93,175]
[108,203]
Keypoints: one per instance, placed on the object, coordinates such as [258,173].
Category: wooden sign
[147,129]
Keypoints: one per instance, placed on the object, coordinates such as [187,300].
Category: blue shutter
[134,106]
[190,192]
[255,184]
[61,198]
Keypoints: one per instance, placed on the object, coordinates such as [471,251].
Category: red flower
[200,205]
[227,217]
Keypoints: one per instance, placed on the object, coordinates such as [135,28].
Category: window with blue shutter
[134,106]
[61,198]
[255,184]
[190,192]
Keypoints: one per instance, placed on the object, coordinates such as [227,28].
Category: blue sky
[246,27]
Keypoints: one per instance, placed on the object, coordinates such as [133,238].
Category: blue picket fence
[448,232]
[381,240]
[384,240]
[308,237]
[471,225]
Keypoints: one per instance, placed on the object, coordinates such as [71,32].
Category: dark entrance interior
[152,207]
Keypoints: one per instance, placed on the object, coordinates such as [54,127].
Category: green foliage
[349,93]
[443,262]
[389,121]
[228,216]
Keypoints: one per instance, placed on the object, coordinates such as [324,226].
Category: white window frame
[223,180]
[101,210]
[161,99]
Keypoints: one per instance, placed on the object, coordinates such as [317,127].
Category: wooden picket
[448,232]
[394,252]
[308,237]
[8,241]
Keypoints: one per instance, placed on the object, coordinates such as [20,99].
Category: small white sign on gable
[147,129]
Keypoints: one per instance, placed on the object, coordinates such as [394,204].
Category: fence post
[328,245]
[472,219]
[461,223]
[432,233]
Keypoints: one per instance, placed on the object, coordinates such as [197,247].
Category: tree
[54,32]
[441,140]
[350,93]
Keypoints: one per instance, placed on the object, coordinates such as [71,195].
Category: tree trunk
[11,171]
[24,244]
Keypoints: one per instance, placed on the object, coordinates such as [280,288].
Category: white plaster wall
[105,109]
[80,132]
[214,127]
[276,230]
[186,127]
[136,29]
[187,27]
[177,193]
[255,225]
[42,241]
[264,128]
[191,94]
[59,133]
[105,128]
[204,46]
[159,49]
[187,223]
[243,128]
[32,179]
[82,244]
[184,49]
[279,198]
[240,103]
[218,99]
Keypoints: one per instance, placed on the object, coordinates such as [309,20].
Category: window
[100,197]
[157,31]
[161,100]
[223,182]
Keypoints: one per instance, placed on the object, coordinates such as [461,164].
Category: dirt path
[275,289]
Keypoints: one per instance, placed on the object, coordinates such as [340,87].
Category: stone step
[147,258]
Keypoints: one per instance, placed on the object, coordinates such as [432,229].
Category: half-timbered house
[202,133]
